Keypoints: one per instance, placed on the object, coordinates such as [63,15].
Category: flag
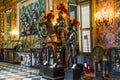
[85,36]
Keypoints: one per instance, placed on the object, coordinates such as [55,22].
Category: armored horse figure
[49,42]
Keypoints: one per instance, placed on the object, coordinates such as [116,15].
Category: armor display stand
[54,73]
[72,74]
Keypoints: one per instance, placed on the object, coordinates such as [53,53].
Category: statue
[71,44]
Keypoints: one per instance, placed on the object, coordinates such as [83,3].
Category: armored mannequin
[71,43]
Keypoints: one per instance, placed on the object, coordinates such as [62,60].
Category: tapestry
[30,16]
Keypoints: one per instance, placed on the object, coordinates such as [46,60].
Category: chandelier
[105,15]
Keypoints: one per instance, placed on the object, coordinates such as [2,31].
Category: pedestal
[99,75]
[41,69]
[114,75]
[53,73]
[72,74]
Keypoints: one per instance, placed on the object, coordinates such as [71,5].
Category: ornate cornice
[6,4]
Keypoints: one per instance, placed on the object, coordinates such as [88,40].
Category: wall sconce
[104,17]
[14,34]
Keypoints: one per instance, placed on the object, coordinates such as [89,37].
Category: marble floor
[17,72]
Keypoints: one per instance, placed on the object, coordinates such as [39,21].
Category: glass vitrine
[114,63]
[35,57]
[114,58]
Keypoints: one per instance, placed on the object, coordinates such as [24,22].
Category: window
[73,1]
[85,27]
[73,11]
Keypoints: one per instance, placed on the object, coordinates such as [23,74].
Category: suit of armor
[71,41]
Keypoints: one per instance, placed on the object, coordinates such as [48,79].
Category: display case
[34,58]
[114,63]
